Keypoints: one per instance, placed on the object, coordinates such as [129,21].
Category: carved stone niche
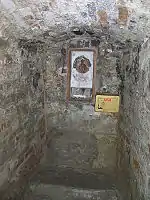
[81,74]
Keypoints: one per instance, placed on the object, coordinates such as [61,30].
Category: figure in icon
[82,64]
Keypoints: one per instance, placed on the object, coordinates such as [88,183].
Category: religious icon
[82,64]
[81,72]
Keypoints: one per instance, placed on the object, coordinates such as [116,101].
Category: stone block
[123,15]
[103,18]
[106,152]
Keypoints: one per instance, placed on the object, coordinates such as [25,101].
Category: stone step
[63,183]
[74,178]
[41,191]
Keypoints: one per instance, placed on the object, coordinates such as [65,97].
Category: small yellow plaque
[106,103]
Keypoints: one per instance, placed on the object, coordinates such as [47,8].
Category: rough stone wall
[88,140]
[34,18]
[34,97]
[22,126]
[30,18]
[134,121]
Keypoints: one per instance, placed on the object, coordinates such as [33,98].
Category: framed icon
[81,73]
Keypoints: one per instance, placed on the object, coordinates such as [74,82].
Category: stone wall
[33,103]
[134,121]
[31,19]
[34,18]
[34,107]
[88,140]
[22,125]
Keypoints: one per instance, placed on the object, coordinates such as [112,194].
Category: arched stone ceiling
[31,18]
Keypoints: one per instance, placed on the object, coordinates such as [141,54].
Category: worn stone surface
[33,103]
[82,129]
[33,89]
[22,125]
[70,183]
[55,192]
[134,121]
[86,140]
[33,18]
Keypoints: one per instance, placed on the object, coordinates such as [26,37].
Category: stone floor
[59,178]
[66,184]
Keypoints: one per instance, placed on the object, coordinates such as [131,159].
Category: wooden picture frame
[88,56]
